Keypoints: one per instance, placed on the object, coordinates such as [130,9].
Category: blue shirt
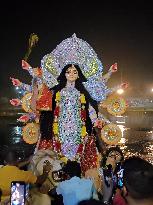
[75,190]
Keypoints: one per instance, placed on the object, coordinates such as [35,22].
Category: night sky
[119,31]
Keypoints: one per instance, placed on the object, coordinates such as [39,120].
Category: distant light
[17,88]
[152,90]
[120,91]
[123,122]
[17,130]
[122,128]
[123,140]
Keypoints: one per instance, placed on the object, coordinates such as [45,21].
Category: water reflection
[122,128]
[11,137]
[16,132]
[135,140]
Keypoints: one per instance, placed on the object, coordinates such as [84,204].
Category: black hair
[90,202]
[11,157]
[46,118]
[138,178]
[72,168]
[116,149]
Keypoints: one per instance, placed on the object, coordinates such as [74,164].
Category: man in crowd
[137,184]
[10,172]
[75,188]
[138,181]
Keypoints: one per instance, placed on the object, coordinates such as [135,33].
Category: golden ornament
[31,133]
[111,134]
[116,105]
[26,102]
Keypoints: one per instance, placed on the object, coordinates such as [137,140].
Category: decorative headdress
[71,51]
[74,50]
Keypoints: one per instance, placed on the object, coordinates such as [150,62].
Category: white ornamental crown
[72,50]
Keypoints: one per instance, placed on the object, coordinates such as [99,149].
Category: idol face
[71,74]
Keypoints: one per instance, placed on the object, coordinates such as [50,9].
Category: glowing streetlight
[120,91]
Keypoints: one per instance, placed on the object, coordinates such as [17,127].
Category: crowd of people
[134,186]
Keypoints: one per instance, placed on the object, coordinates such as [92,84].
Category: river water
[137,135]
[10,137]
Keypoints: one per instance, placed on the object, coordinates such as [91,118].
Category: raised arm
[121,86]
[34,72]
[111,70]
[23,86]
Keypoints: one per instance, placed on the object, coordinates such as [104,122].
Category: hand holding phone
[18,193]
[120,178]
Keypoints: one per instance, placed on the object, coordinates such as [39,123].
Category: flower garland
[83,115]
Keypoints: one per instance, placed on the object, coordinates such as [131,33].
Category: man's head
[11,158]
[113,156]
[72,168]
[90,202]
[138,179]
